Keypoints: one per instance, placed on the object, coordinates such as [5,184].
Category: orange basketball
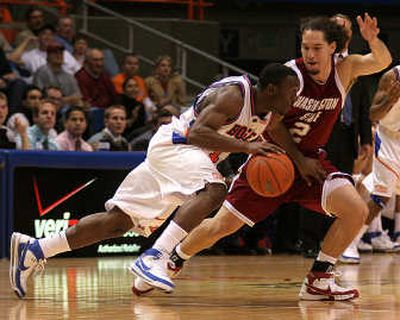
[271,175]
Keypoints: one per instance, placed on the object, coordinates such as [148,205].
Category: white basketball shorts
[386,163]
[170,175]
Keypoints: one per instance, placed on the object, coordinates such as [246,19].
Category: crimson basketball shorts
[252,208]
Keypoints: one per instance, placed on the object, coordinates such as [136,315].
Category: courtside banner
[50,191]
[49,200]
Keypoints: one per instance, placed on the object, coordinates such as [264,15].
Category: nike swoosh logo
[43,211]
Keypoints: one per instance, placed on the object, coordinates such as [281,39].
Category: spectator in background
[95,84]
[75,125]
[54,94]
[31,99]
[34,22]
[4,44]
[141,142]
[52,74]
[135,110]
[65,33]
[36,58]
[10,84]
[42,134]
[80,48]
[166,87]
[7,136]
[111,138]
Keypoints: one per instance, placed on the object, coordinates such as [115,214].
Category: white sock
[180,253]
[397,222]
[324,257]
[170,238]
[55,244]
[376,224]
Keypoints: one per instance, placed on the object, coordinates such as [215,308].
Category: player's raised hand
[368,27]
[263,148]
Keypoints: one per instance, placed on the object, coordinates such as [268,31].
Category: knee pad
[332,182]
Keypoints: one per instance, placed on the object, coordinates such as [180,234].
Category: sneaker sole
[141,293]
[319,297]
[14,243]
[347,260]
[150,279]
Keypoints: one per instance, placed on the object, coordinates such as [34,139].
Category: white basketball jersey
[391,120]
[246,126]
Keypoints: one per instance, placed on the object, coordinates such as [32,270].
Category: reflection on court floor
[262,287]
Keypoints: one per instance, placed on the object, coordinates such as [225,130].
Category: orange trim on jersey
[388,167]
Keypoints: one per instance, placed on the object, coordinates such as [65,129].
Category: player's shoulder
[231,93]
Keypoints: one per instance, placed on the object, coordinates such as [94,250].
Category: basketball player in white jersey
[384,180]
[180,170]
[305,129]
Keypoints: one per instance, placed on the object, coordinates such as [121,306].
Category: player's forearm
[281,135]
[380,53]
[209,139]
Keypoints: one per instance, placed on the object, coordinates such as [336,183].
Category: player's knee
[118,222]
[216,193]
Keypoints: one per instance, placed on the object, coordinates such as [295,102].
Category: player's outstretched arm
[386,96]
[378,59]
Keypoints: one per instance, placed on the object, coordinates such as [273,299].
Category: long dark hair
[331,30]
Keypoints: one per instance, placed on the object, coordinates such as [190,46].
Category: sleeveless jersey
[316,109]
[391,121]
[246,126]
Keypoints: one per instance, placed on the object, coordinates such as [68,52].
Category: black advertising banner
[49,200]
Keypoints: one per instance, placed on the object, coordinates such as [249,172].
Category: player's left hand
[368,27]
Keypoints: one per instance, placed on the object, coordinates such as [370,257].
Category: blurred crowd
[57,92]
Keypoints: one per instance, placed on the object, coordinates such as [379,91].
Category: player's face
[316,51]
[286,94]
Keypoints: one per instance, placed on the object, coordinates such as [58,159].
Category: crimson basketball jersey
[316,109]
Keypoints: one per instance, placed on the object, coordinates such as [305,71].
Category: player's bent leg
[28,254]
[343,201]
[204,236]
[152,265]
[97,227]
[351,213]
[210,231]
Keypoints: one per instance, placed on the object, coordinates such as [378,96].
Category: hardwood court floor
[228,288]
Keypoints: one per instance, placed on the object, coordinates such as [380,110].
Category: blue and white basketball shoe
[26,256]
[152,267]
[141,288]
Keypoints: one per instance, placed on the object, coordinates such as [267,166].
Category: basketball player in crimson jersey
[305,129]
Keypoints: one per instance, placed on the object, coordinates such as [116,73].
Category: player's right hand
[263,148]
[311,169]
